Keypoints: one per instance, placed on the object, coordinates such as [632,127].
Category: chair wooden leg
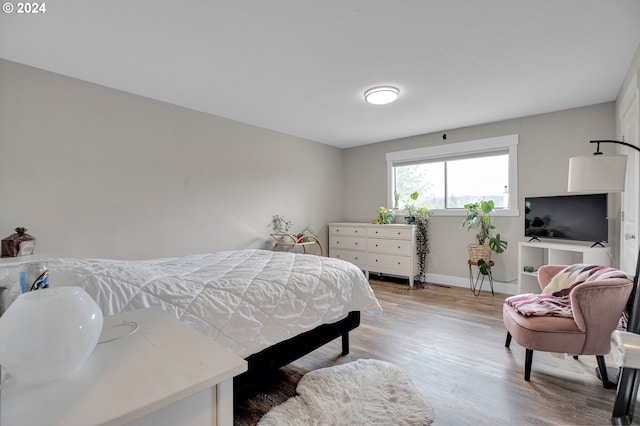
[604,375]
[508,341]
[528,359]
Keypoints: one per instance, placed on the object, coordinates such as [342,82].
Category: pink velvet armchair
[597,307]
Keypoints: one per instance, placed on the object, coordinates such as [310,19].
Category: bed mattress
[245,300]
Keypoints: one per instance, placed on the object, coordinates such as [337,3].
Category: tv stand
[534,239]
[535,254]
[597,244]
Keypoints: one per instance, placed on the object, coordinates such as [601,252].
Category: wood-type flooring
[451,345]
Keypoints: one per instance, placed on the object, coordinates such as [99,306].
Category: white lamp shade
[597,173]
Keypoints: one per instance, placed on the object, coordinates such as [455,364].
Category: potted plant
[385,215]
[396,199]
[479,218]
[411,209]
[422,240]
[305,234]
[280,224]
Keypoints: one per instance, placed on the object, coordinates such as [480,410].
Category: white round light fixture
[381,95]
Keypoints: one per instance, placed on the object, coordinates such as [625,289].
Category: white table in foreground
[164,373]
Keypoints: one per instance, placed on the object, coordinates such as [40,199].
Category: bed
[267,307]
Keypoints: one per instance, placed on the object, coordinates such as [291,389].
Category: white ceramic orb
[47,334]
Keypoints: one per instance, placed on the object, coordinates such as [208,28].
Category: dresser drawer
[389,246]
[357,258]
[381,231]
[353,243]
[389,263]
[349,231]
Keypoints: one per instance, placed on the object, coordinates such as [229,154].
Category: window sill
[463,212]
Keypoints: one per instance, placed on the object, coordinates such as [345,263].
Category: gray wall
[546,142]
[96,172]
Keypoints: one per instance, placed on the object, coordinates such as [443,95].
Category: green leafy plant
[422,242]
[418,214]
[280,224]
[409,206]
[385,215]
[479,218]
[305,234]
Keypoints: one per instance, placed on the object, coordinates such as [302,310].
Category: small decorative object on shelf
[280,224]
[18,244]
[285,239]
[34,276]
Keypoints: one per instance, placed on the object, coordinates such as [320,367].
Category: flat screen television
[569,217]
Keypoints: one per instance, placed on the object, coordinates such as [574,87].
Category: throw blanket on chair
[564,281]
[554,300]
[539,305]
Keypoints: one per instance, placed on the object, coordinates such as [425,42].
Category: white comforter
[245,300]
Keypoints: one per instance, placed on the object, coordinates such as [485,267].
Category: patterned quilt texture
[245,300]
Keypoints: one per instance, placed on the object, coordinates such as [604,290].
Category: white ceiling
[301,66]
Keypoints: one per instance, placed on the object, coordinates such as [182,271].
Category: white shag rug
[363,392]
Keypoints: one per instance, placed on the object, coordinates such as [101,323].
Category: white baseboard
[498,286]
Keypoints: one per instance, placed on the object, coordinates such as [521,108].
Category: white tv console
[537,253]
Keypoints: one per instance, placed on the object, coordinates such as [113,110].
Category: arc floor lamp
[606,173]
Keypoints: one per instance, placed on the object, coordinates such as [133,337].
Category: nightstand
[150,369]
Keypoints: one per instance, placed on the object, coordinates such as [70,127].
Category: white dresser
[387,249]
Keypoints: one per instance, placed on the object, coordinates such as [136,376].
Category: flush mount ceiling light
[381,95]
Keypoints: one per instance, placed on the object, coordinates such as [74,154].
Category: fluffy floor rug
[363,392]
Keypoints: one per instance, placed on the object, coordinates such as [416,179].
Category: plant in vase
[422,240]
[411,209]
[385,215]
[305,234]
[280,224]
[479,218]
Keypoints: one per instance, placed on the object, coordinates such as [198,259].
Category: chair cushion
[564,281]
[544,333]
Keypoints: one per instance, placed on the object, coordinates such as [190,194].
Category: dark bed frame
[267,361]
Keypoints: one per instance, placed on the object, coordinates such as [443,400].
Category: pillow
[564,281]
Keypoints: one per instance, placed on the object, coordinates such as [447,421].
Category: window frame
[473,147]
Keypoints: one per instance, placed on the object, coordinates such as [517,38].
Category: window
[449,176]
